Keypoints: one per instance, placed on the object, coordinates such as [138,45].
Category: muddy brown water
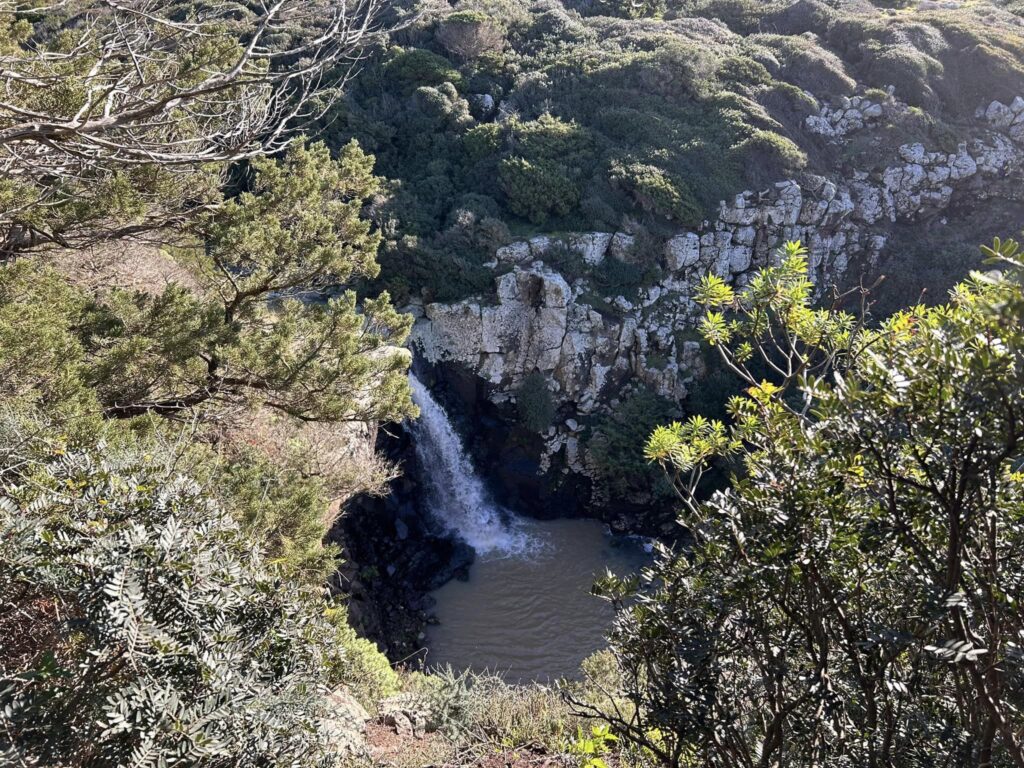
[530,616]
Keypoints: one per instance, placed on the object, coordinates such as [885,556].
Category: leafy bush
[537,190]
[772,154]
[654,191]
[848,492]
[615,440]
[364,669]
[441,107]
[745,72]
[482,141]
[142,627]
[42,359]
[551,139]
[414,67]
[473,707]
[534,403]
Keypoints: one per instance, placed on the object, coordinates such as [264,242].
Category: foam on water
[455,494]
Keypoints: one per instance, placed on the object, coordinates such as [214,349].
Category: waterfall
[455,494]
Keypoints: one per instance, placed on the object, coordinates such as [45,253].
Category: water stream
[526,611]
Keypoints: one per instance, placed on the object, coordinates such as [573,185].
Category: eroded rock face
[850,115]
[593,349]
[1006,117]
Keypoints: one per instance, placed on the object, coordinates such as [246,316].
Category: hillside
[502,119]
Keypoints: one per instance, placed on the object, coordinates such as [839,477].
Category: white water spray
[455,493]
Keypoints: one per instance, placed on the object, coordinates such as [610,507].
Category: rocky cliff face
[592,348]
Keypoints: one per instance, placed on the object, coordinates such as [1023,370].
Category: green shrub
[143,627]
[742,16]
[537,190]
[284,511]
[616,441]
[904,67]
[551,139]
[42,359]
[441,107]
[772,154]
[482,141]
[739,70]
[471,708]
[819,453]
[534,403]
[361,666]
[413,67]
[653,190]
[809,66]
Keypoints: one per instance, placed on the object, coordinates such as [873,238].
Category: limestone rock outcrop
[592,347]
[851,114]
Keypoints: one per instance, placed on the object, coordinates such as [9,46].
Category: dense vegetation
[853,597]
[500,117]
[182,412]
[195,357]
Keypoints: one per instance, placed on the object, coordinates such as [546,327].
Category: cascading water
[455,494]
[525,611]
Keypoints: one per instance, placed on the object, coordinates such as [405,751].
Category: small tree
[853,598]
[536,190]
[261,330]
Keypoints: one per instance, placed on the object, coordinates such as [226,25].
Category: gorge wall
[552,313]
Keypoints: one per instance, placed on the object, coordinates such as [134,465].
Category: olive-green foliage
[614,440]
[482,141]
[690,106]
[298,230]
[52,198]
[279,507]
[882,470]
[541,179]
[552,139]
[471,708]
[537,190]
[411,68]
[744,16]
[213,352]
[42,360]
[774,155]
[534,403]
[654,191]
[743,72]
[360,665]
[141,625]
